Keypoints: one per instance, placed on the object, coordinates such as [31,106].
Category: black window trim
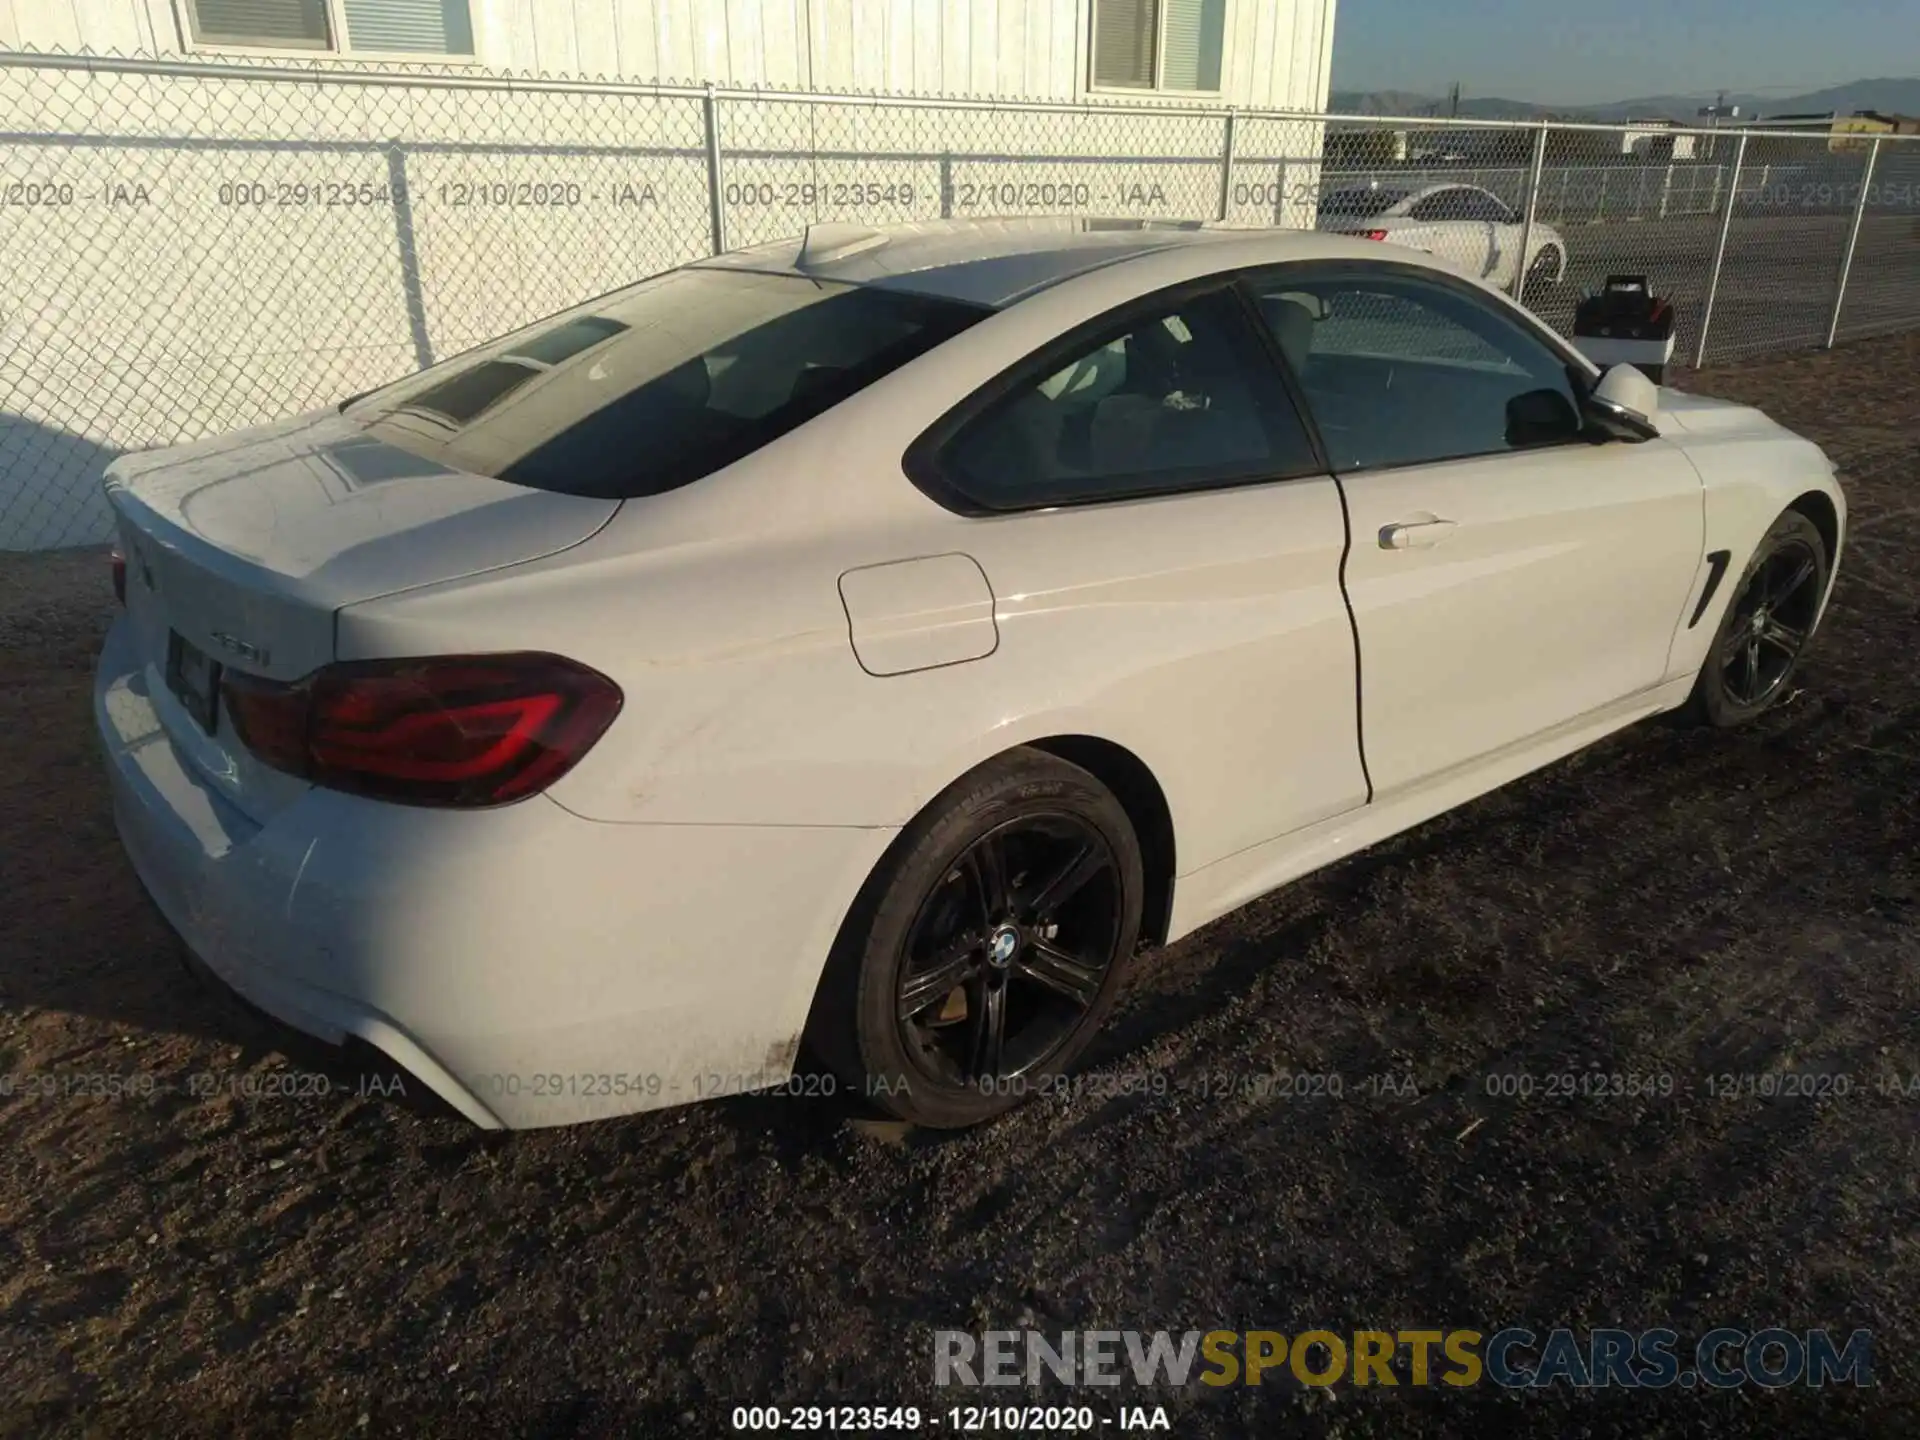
[1480,195]
[924,457]
[1582,374]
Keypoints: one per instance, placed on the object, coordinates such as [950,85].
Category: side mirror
[1625,405]
[1541,417]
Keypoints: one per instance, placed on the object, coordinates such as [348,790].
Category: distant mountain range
[1891,97]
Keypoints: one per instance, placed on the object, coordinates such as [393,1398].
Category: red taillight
[461,730]
[270,718]
[1371,234]
[119,563]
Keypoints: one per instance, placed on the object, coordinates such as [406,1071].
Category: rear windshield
[1359,204]
[656,385]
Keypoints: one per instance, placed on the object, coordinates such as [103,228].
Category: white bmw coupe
[877,638]
[1465,224]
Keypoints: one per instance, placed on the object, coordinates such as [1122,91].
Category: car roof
[1426,190]
[994,263]
[1410,195]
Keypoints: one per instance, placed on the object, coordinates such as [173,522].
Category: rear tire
[1758,645]
[1542,276]
[986,950]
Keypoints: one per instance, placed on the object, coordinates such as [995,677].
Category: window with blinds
[293,24]
[436,27]
[1126,36]
[419,27]
[1195,31]
[1158,44]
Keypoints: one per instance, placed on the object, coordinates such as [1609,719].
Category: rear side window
[1461,204]
[654,386]
[1359,204]
[1182,397]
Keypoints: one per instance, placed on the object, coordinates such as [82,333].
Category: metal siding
[1053,41]
[553,37]
[1306,48]
[47,23]
[712,54]
[634,35]
[109,25]
[518,49]
[1236,80]
[984,48]
[781,44]
[928,24]
[1011,54]
[746,42]
[832,44]
[159,28]
[1266,38]
[867,25]
[900,45]
[597,39]
[673,27]
[1276,52]
[956,48]
[1323,77]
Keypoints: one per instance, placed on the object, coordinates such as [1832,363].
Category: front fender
[1751,473]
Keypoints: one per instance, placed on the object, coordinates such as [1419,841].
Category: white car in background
[877,637]
[1472,227]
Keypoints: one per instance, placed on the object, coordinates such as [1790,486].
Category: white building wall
[1277,52]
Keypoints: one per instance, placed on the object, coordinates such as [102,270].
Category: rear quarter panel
[717,609]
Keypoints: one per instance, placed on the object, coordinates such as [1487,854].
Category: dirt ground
[1670,903]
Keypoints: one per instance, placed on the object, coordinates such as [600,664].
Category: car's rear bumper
[531,967]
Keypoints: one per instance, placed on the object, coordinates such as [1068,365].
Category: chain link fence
[188,247]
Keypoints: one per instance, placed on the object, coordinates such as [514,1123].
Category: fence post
[1853,240]
[1720,253]
[1226,168]
[1666,191]
[716,208]
[1532,202]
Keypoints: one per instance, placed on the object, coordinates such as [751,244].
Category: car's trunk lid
[240,551]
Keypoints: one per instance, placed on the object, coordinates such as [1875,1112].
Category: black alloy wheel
[1767,624]
[1010,950]
[985,951]
[1772,619]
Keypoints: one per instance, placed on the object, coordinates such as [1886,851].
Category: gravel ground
[1669,903]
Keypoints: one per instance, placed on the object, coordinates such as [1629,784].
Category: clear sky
[1599,50]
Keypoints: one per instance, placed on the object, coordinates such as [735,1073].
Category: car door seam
[1296,393]
[1353,630]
